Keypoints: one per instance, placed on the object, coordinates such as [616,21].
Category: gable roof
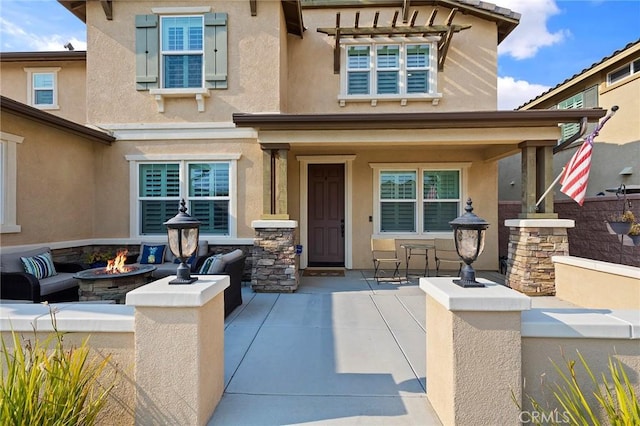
[505,19]
[596,67]
[18,108]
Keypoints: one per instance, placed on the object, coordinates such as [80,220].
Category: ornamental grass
[43,383]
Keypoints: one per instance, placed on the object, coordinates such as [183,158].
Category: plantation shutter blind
[146,52]
[160,195]
[358,74]
[209,195]
[388,69]
[397,201]
[441,194]
[215,48]
[417,69]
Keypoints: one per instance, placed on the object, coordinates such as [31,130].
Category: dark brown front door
[326,214]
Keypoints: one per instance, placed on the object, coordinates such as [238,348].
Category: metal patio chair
[445,252]
[383,250]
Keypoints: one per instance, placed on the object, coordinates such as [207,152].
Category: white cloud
[16,38]
[513,93]
[532,32]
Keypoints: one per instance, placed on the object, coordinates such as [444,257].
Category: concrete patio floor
[339,351]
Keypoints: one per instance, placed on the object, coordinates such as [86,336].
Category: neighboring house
[614,80]
[358,120]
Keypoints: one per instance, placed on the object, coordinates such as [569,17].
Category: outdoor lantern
[468,233]
[183,231]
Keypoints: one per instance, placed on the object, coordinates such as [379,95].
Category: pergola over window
[444,32]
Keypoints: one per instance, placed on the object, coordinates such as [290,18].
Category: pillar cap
[274,224]
[540,223]
[492,298]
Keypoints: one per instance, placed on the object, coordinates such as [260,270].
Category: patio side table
[408,250]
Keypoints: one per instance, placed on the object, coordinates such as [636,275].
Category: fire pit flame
[117,266]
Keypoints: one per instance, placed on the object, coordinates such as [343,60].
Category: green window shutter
[590,101]
[215,50]
[146,52]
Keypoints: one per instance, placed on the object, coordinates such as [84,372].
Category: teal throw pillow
[41,266]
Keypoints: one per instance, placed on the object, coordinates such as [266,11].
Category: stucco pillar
[537,176]
[532,243]
[275,261]
[474,362]
[179,356]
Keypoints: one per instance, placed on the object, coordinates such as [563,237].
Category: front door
[326,215]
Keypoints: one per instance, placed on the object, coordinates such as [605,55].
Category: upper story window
[182,51]
[623,72]
[417,200]
[394,71]
[42,89]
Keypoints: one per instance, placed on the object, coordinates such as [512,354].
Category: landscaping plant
[42,383]
[614,395]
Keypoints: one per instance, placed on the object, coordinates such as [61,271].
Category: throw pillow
[153,255]
[212,265]
[41,266]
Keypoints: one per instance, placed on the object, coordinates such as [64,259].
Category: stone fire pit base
[95,287]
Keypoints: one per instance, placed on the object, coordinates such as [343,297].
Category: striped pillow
[212,265]
[41,266]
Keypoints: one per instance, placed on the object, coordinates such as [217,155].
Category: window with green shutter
[205,187]
[586,99]
[181,51]
[401,203]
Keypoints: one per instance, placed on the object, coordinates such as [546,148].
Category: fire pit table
[99,284]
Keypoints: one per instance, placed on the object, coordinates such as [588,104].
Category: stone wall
[590,238]
[529,266]
[275,261]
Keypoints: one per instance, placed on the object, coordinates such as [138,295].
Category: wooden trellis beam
[445,32]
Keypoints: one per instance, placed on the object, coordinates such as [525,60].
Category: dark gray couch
[16,284]
[232,264]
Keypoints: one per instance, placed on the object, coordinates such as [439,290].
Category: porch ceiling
[494,134]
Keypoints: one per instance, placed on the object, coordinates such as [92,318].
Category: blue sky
[555,39]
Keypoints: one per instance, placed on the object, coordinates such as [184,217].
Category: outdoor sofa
[166,263]
[231,264]
[47,280]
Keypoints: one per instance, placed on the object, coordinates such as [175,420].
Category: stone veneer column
[474,352]
[532,243]
[179,350]
[275,266]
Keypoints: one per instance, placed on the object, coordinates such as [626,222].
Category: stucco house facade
[612,81]
[336,121]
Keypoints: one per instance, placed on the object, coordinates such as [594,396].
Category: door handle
[342,228]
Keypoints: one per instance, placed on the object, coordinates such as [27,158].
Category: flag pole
[604,120]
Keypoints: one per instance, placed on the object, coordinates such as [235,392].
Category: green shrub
[42,383]
[614,395]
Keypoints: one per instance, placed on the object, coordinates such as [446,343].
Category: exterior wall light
[183,231]
[468,232]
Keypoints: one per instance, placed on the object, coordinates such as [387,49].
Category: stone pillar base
[532,243]
[275,268]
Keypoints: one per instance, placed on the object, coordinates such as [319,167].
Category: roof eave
[440,120]
[18,108]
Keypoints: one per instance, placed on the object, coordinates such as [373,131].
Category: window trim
[403,97]
[8,182]
[419,168]
[633,70]
[31,72]
[184,160]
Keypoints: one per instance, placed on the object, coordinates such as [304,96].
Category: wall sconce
[183,232]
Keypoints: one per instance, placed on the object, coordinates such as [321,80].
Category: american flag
[575,175]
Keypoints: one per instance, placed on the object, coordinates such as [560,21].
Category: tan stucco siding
[468,81]
[115,202]
[55,194]
[71,87]
[253,66]
[479,182]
